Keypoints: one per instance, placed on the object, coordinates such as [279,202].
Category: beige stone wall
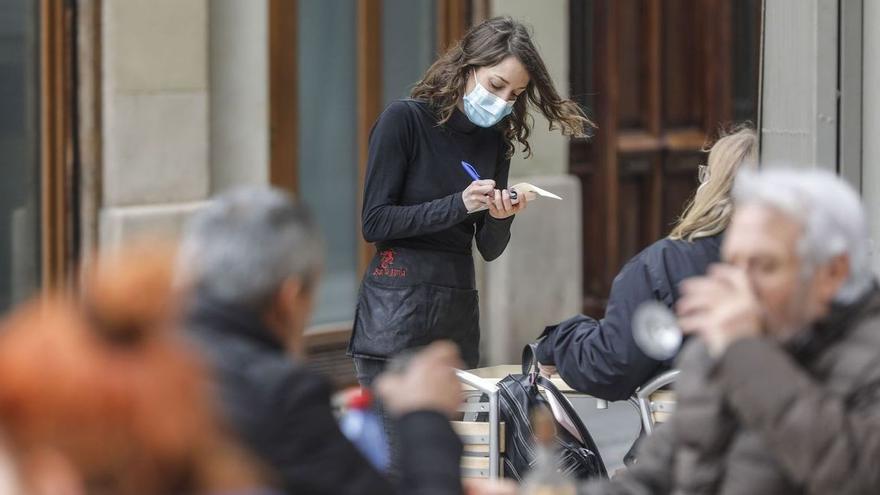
[538,280]
[549,21]
[155,114]
[799,91]
[239,64]
[184,109]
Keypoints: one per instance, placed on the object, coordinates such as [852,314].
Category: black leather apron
[412,297]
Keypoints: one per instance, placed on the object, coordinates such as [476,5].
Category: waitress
[423,207]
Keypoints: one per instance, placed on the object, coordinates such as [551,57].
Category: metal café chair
[654,402]
[483,440]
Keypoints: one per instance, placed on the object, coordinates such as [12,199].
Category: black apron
[412,297]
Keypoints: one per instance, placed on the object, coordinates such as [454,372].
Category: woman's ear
[470,80]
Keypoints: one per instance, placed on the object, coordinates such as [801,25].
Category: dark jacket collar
[833,327]
[208,315]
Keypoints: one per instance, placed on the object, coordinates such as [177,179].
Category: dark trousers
[367,370]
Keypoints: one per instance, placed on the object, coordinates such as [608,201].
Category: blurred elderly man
[253,258]
[780,391]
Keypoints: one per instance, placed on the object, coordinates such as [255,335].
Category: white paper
[532,191]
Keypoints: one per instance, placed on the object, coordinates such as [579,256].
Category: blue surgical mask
[484,108]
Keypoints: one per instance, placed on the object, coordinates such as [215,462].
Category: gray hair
[246,243]
[829,210]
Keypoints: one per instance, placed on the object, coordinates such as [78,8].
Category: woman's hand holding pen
[476,196]
[501,206]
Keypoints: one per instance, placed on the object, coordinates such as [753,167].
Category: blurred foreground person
[99,396]
[253,260]
[780,392]
[601,357]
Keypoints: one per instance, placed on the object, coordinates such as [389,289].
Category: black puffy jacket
[601,358]
[282,412]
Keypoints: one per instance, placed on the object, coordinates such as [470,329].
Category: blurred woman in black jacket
[600,357]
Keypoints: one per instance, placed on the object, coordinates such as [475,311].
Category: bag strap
[530,368]
[530,359]
[563,401]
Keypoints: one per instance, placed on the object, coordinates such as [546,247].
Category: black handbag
[518,394]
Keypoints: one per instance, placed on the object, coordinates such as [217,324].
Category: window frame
[59,221]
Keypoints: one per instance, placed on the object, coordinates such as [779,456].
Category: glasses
[703,173]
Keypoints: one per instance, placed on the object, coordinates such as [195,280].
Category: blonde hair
[709,211]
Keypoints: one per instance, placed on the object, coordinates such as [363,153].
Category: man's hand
[547,370]
[427,383]
[720,308]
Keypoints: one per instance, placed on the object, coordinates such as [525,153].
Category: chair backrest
[326,348]
[654,403]
[662,405]
[481,430]
[475,437]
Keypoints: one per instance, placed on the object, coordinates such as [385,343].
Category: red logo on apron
[386,268]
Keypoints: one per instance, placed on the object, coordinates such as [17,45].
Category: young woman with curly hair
[423,207]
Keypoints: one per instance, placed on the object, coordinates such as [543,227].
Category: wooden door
[659,77]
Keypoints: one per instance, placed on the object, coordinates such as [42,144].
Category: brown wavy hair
[486,45]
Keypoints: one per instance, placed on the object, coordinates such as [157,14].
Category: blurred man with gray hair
[780,388]
[252,258]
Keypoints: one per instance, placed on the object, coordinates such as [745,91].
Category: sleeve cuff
[502,222]
[544,351]
[458,205]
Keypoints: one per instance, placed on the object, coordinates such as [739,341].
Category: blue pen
[476,176]
[470,170]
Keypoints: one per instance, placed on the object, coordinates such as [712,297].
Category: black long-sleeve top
[412,192]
